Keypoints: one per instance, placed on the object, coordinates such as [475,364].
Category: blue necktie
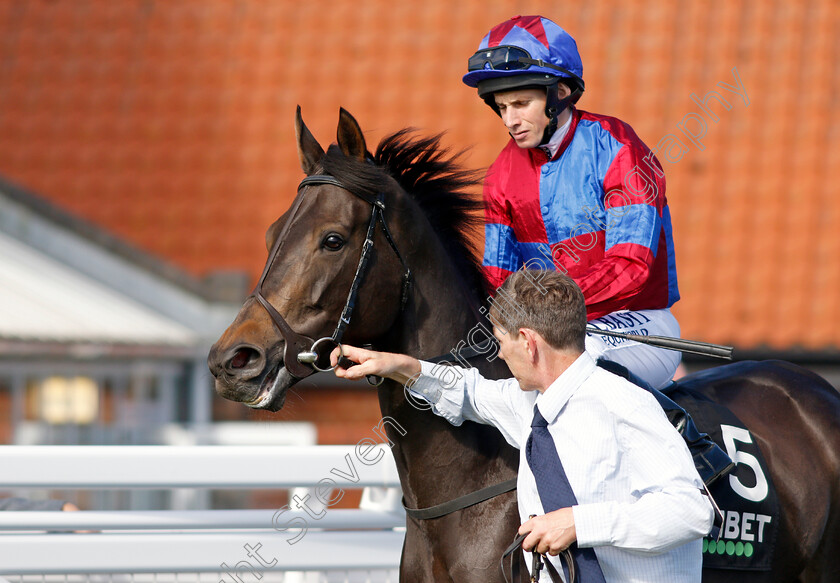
[556,492]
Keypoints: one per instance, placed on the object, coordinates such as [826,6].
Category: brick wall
[171,124]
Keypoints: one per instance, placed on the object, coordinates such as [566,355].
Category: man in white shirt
[601,466]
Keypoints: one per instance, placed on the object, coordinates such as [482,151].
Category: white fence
[242,544]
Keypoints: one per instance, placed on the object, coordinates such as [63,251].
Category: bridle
[301,354]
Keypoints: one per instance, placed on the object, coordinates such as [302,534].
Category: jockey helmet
[527,51]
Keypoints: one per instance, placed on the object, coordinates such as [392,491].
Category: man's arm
[667,507]
[397,367]
[457,394]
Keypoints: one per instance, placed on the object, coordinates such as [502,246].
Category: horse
[378,249]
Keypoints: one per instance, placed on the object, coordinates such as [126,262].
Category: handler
[581,193]
[600,465]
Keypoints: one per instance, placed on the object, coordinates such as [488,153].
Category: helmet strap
[554,106]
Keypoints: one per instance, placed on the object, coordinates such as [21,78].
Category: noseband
[301,357]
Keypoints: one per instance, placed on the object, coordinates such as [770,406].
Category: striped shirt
[640,504]
[596,211]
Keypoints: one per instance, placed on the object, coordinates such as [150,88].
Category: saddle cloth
[746,496]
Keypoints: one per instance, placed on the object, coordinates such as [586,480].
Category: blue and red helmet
[527,51]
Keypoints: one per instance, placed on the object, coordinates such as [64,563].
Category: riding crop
[669,343]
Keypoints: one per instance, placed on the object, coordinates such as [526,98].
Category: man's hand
[397,367]
[550,533]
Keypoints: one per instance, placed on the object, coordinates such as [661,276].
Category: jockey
[581,193]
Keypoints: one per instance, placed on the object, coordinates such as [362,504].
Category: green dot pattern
[729,548]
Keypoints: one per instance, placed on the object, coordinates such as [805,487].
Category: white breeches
[655,365]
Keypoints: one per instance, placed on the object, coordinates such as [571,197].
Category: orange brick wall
[171,124]
[341,416]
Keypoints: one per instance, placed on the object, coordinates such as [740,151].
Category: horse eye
[333,242]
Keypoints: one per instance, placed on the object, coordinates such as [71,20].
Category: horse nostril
[243,357]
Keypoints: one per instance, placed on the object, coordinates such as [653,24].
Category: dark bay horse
[415,288]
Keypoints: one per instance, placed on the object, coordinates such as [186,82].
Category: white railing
[311,537]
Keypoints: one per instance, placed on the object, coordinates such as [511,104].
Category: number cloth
[640,504]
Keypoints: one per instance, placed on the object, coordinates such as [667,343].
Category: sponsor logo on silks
[622,320]
[740,536]
[627,322]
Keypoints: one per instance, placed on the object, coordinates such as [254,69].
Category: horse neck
[438,320]
[442,313]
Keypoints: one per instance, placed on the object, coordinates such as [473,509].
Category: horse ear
[309,150]
[350,138]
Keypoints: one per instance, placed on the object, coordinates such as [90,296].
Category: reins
[538,563]
[461,502]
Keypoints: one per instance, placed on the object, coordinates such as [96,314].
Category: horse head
[340,250]
[314,254]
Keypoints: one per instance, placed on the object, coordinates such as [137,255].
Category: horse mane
[435,179]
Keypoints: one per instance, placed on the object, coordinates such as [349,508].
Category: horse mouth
[271,394]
